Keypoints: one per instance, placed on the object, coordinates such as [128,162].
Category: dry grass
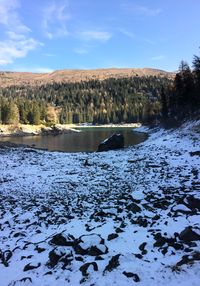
[26,78]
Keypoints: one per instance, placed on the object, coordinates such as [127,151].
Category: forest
[112,100]
[183,100]
[123,100]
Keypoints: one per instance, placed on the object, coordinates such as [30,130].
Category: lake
[87,140]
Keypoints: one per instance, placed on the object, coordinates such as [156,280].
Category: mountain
[26,78]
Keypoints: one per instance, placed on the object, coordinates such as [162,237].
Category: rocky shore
[34,130]
[21,130]
[127,217]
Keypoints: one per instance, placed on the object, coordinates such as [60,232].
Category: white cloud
[55,19]
[15,47]
[17,42]
[158,58]
[92,35]
[141,10]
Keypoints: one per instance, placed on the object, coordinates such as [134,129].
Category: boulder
[193,203]
[113,263]
[188,234]
[116,141]
[30,266]
[134,208]
[62,240]
[55,255]
[92,245]
[112,236]
[134,276]
[84,268]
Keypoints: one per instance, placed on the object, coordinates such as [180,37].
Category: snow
[181,207]
[48,193]
[89,241]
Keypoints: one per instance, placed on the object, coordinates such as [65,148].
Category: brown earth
[27,78]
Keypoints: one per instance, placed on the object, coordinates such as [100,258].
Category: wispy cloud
[17,42]
[15,46]
[82,50]
[141,10]
[150,42]
[93,35]
[89,39]
[33,69]
[55,18]
[9,16]
[49,55]
[158,58]
[127,33]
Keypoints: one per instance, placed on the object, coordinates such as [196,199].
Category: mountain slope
[27,78]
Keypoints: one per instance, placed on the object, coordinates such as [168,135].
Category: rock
[48,273]
[116,141]
[23,281]
[54,130]
[66,260]
[119,230]
[135,277]
[139,256]
[92,244]
[141,221]
[189,259]
[142,246]
[54,257]
[112,236]
[5,257]
[39,249]
[188,234]
[160,240]
[17,234]
[79,258]
[133,208]
[101,214]
[84,268]
[99,258]
[63,240]
[178,246]
[195,153]
[86,163]
[113,263]
[161,204]
[193,203]
[29,266]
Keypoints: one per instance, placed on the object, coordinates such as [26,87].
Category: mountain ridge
[10,78]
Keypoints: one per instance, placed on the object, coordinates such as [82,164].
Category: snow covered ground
[128,217]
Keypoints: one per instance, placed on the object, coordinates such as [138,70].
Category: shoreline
[22,130]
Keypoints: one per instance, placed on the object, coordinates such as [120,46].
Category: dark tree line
[109,101]
[183,100]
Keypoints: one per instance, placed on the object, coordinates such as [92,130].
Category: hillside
[26,78]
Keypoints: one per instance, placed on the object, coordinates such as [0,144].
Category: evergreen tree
[164,109]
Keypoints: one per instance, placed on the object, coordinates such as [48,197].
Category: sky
[48,35]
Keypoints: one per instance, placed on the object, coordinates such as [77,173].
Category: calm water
[85,141]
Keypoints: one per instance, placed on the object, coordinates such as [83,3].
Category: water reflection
[85,141]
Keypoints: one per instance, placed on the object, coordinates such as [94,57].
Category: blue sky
[46,35]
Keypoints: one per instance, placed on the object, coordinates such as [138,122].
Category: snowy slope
[129,217]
